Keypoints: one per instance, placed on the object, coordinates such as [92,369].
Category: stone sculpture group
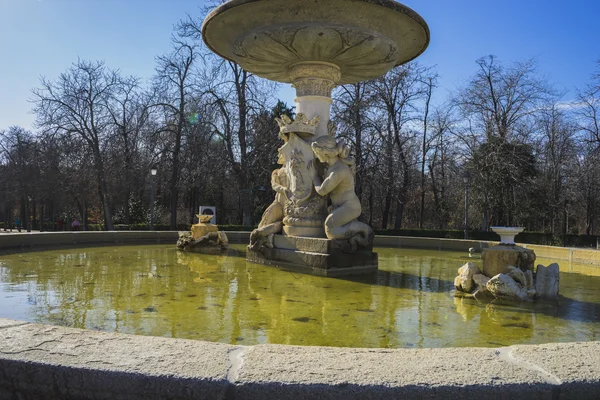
[204,237]
[315,173]
[508,273]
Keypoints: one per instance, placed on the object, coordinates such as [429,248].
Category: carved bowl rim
[395,13]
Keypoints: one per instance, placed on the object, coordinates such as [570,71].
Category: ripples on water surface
[156,290]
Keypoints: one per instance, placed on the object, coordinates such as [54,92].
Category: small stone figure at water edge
[508,273]
[341,224]
[203,238]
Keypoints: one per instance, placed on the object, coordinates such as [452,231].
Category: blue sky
[43,37]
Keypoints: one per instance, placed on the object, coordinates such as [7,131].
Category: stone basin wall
[49,362]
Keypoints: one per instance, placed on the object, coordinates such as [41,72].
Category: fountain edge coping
[40,361]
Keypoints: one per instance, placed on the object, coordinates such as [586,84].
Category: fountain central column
[305,211]
[314,82]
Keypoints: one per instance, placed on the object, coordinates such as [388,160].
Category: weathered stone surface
[363,38]
[504,286]
[546,281]
[574,368]
[44,362]
[276,372]
[530,282]
[517,275]
[465,277]
[497,259]
[49,362]
[202,229]
[213,242]
[327,264]
[480,280]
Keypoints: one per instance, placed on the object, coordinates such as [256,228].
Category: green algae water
[159,291]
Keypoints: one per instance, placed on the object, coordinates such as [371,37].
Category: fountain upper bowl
[363,38]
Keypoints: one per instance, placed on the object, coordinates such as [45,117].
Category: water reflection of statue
[272,219]
[338,182]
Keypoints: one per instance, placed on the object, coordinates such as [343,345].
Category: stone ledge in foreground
[47,362]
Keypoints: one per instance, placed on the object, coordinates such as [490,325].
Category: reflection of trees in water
[159,291]
[99,288]
[508,322]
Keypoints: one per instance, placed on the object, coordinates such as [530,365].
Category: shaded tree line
[208,127]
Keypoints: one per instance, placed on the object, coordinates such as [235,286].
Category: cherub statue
[272,219]
[338,183]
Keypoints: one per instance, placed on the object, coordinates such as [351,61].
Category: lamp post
[28,216]
[466,181]
[153,172]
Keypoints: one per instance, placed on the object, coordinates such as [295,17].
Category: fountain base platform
[316,256]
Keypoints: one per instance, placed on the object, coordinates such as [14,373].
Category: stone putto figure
[341,223]
[272,219]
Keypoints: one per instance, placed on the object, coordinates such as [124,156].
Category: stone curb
[48,362]
[17,241]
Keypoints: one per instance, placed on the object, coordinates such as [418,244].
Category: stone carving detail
[315,69]
[269,52]
[300,125]
[212,243]
[303,186]
[504,286]
[204,237]
[341,223]
[272,219]
[500,279]
[314,87]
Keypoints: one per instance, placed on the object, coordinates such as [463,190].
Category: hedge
[541,238]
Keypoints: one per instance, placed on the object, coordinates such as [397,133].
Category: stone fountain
[315,45]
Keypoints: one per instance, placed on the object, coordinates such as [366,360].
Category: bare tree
[77,103]
[498,106]
[558,152]
[440,163]
[175,85]
[498,100]
[236,98]
[130,112]
[350,109]
[429,84]
[589,111]
[397,95]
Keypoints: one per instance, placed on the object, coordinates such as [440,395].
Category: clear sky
[43,37]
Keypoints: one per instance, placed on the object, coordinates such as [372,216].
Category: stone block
[546,281]
[201,229]
[465,277]
[480,280]
[314,255]
[504,286]
[498,259]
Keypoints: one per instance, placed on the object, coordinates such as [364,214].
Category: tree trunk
[358,139]
[486,211]
[103,191]
[401,200]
